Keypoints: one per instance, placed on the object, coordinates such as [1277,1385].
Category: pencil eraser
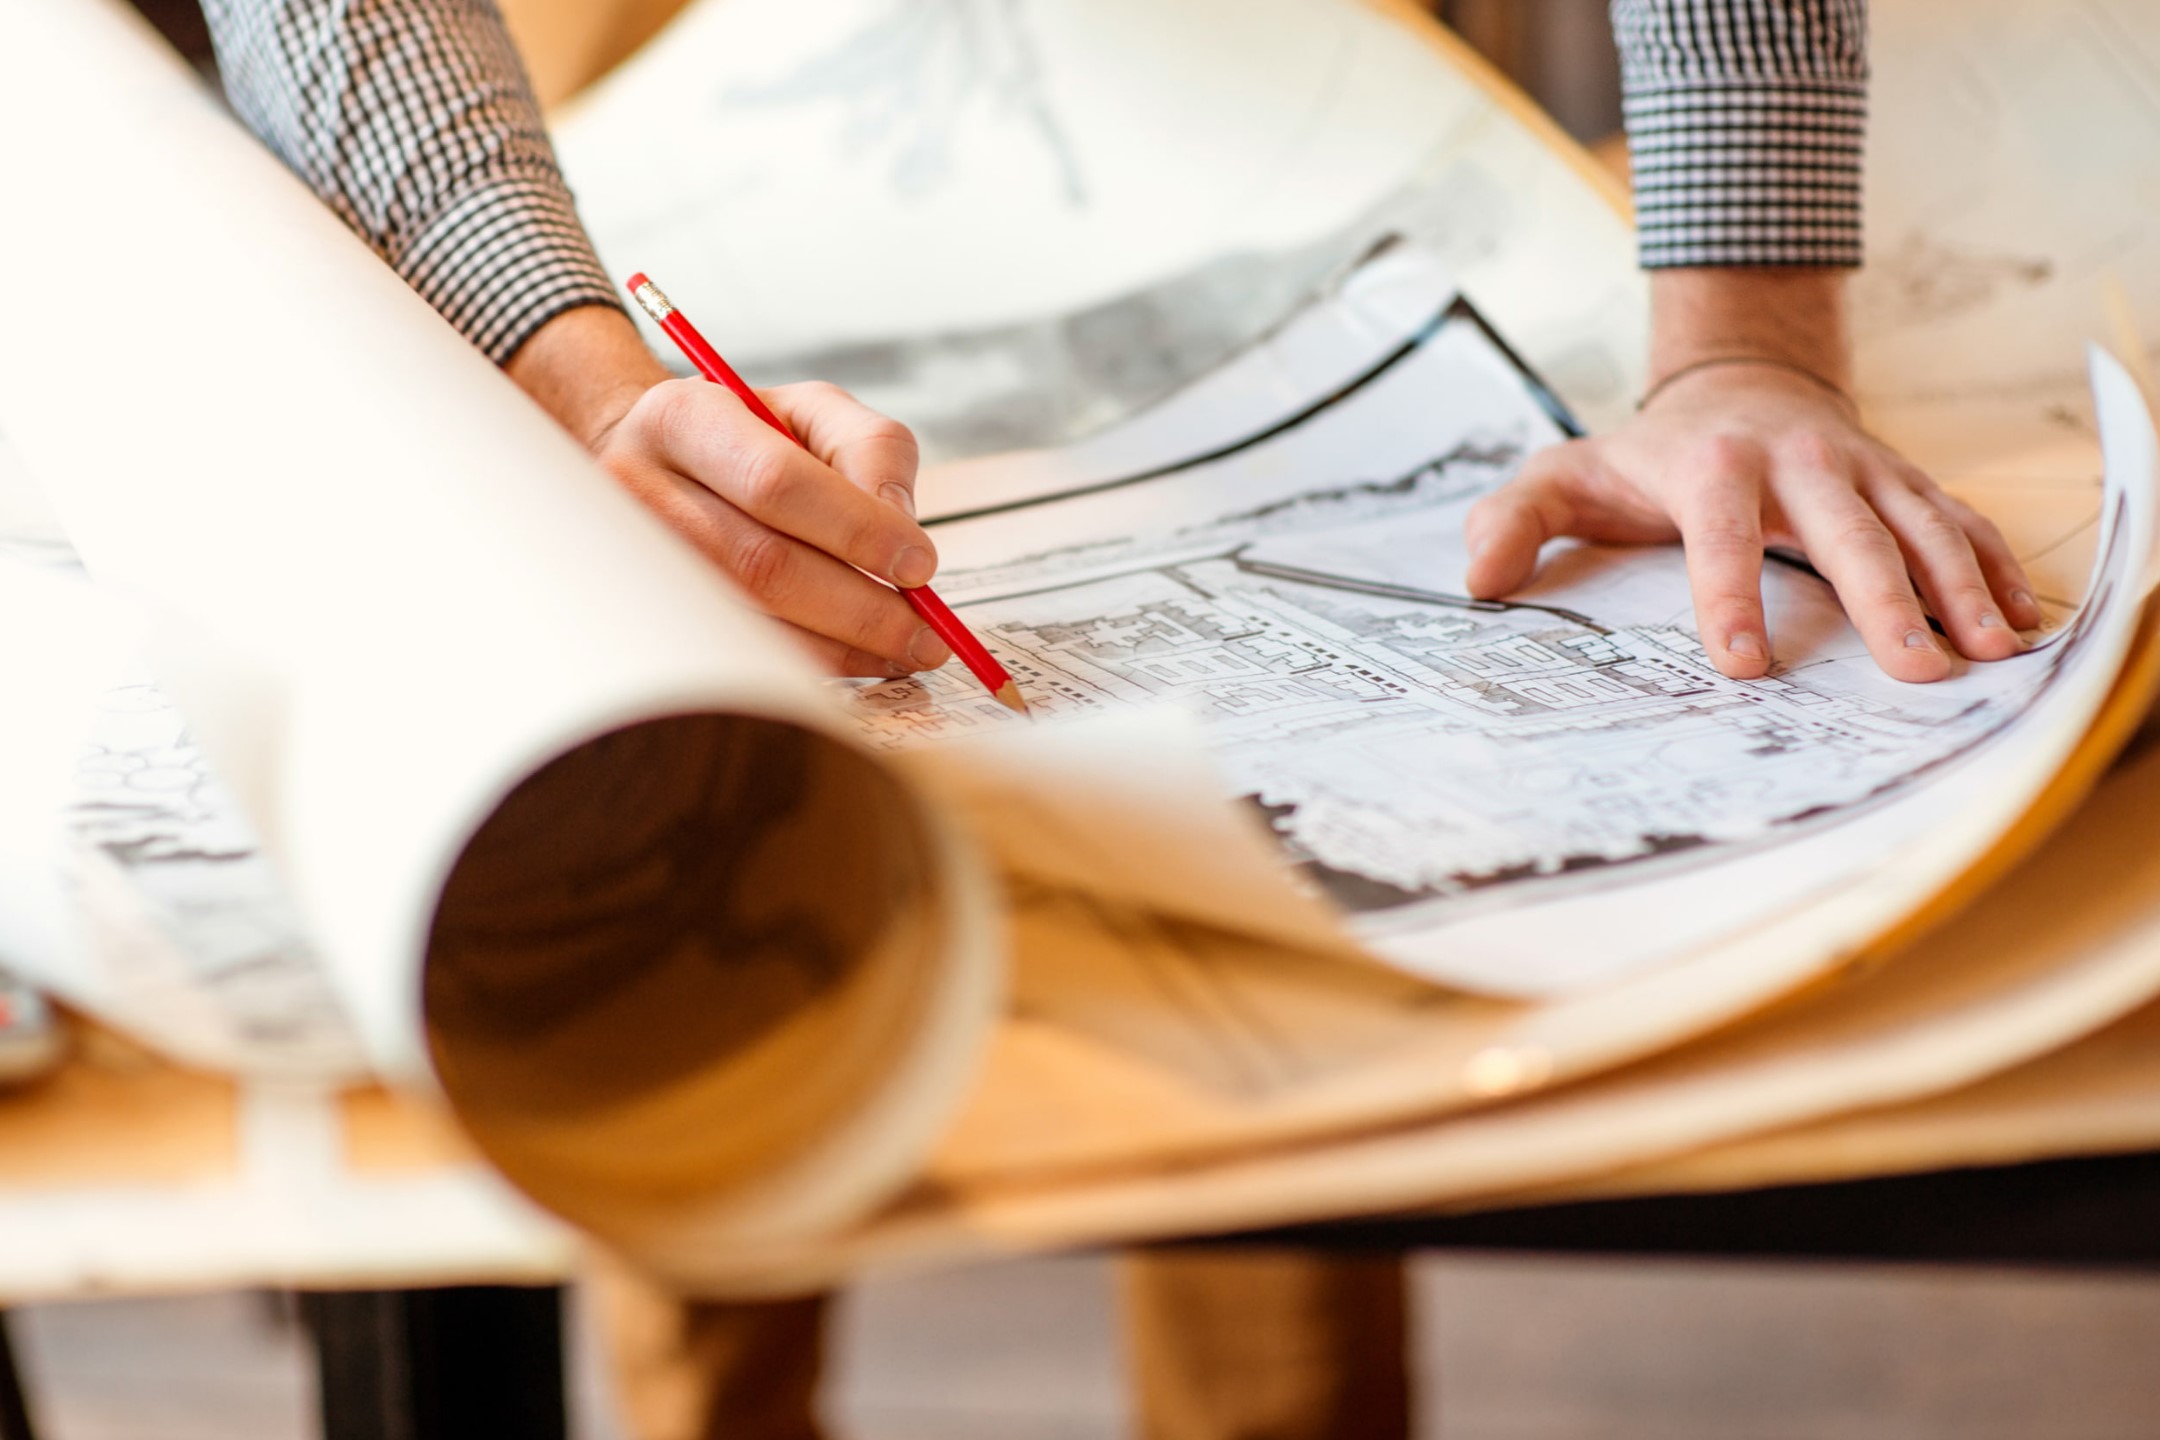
[638,282]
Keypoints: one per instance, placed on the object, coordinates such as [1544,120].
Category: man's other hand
[1731,458]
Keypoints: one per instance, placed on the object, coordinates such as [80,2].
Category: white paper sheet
[62,644]
[167,919]
[962,209]
[979,147]
[273,525]
[387,590]
[1491,790]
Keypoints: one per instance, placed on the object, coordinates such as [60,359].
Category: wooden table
[452,1362]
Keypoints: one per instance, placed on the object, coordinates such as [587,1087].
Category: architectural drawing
[255,991]
[1421,755]
[199,948]
[1413,750]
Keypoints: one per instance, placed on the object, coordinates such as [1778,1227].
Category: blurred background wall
[1561,51]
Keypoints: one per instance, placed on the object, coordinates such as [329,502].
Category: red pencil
[934,612]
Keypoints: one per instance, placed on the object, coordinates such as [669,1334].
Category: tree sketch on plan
[1411,747]
[909,78]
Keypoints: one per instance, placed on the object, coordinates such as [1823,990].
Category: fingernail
[1746,646]
[1989,620]
[900,496]
[1919,640]
[2024,597]
[927,651]
[912,567]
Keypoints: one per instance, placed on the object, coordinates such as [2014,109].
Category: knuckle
[809,394]
[761,560]
[1985,533]
[1922,483]
[1725,534]
[763,469]
[1725,454]
[670,412]
[1492,511]
[1931,528]
[871,543]
[1895,603]
[818,403]
[1861,534]
[890,434]
[1553,460]
[876,626]
[1813,451]
[1728,616]
[1549,472]
[630,470]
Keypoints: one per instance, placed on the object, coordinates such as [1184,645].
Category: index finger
[875,452]
[710,436]
[1721,535]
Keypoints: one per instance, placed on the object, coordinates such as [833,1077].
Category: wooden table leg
[14,1408]
[442,1364]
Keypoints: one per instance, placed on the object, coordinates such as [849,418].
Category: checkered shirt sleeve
[1745,121]
[413,120]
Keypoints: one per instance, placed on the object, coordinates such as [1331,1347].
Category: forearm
[1745,121]
[413,121]
[1796,316]
[1744,118]
[586,368]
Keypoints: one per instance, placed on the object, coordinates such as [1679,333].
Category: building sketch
[1416,750]
[1408,751]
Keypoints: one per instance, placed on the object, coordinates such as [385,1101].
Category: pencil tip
[1008,695]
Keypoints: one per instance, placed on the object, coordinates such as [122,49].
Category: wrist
[586,367]
[1708,372]
[1792,318]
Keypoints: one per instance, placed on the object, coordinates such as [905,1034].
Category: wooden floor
[1509,1350]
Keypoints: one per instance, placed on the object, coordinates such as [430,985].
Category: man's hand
[803,533]
[1734,457]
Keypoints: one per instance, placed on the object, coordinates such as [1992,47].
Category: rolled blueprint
[690,963]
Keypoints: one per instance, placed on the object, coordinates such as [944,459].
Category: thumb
[1506,530]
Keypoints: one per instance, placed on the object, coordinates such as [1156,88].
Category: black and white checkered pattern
[1746,120]
[413,120]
